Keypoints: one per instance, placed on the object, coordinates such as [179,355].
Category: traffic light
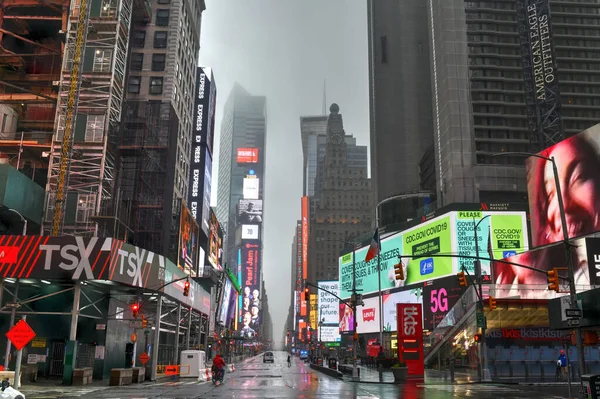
[186,288]
[492,303]
[477,338]
[144,322]
[306,294]
[553,280]
[399,271]
[462,279]
[134,310]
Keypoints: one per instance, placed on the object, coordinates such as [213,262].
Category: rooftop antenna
[324,97]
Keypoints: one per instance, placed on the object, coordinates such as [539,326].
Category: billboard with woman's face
[578,164]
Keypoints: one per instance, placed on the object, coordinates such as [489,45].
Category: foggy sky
[285,50]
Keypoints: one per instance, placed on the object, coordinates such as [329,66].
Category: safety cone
[232,368]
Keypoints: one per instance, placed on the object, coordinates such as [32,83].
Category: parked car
[268,357]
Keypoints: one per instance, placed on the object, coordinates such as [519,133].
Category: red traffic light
[477,338]
[186,288]
[135,306]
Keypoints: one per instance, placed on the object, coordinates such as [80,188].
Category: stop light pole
[485,372]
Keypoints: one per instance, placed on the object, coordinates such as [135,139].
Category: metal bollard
[451,369]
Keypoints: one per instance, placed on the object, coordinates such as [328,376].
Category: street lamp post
[485,372]
[22,219]
[569,258]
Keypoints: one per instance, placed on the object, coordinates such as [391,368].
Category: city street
[255,379]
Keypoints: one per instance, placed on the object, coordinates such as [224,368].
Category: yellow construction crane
[66,148]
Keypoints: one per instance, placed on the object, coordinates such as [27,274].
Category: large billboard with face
[423,248]
[329,304]
[251,301]
[188,242]
[577,162]
[250,211]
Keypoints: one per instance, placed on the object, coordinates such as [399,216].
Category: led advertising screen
[314,312]
[346,318]
[188,241]
[329,334]
[204,109]
[305,237]
[207,184]
[250,231]
[423,248]
[250,188]
[214,241]
[250,211]
[577,161]
[251,301]
[410,295]
[225,302]
[329,304]
[439,296]
[509,278]
[247,155]
[368,316]
[201,260]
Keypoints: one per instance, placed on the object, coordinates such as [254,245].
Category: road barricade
[204,375]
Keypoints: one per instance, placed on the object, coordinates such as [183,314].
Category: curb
[327,371]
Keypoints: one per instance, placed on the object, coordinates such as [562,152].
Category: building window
[160,39]
[384,55]
[94,128]
[134,84]
[85,207]
[102,60]
[139,38]
[162,17]
[137,61]
[156,85]
[158,62]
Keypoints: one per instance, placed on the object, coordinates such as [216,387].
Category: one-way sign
[576,313]
[573,322]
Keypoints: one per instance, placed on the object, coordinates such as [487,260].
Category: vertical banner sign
[539,67]
[302,305]
[304,237]
[314,312]
[410,337]
[299,256]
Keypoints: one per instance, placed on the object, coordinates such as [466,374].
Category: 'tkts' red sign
[20,335]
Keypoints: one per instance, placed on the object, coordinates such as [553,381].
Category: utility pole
[485,372]
[354,303]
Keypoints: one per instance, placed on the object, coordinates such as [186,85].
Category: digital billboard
[204,109]
[508,277]
[188,241]
[448,234]
[577,161]
[250,211]
[439,296]
[225,299]
[368,316]
[413,294]
[250,231]
[314,312]
[207,184]
[214,241]
[329,304]
[329,334]
[305,237]
[298,256]
[251,300]
[247,155]
[250,188]
[346,318]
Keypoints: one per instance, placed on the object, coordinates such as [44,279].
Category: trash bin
[591,385]
[319,361]
[332,362]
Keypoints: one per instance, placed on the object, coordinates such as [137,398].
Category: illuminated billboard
[225,299]
[410,295]
[314,311]
[250,188]
[250,231]
[214,241]
[188,242]
[329,334]
[251,302]
[305,237]
[368,316]
[250,211]
[346,318]
[247,155]
[298,256]
[577,161]
[329,304]
[448,234]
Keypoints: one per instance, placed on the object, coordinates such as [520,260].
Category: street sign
[144,358]
[576,313]
[135,324]
[171,370]
[573,322]
[20,335]
[481,320]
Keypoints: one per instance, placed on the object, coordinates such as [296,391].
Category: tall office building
[156,140]
[479,92]
[341,199]
[240,195]
[400,106]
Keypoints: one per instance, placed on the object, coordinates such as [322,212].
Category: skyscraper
[479,94]
[400,104]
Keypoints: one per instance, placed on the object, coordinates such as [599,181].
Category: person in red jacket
[218,366]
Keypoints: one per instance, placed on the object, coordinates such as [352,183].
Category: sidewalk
[432,377]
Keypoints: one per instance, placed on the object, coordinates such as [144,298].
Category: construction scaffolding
[96,122]
[31,46]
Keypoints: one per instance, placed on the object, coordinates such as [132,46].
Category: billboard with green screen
[449,234]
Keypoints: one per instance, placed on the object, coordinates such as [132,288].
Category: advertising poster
[577,161]
[250,211]
[412,294]
[250,187]
[330,334]
[329,304]
[508,236]
[346,318]
[366,273]
[250,231]
[213,241]
[188,241]
[305,216]
[206,193]
[509,277]
[251,300]
[314,311]
[247,155]
[593,255]
[439,297]
[223,312]
[368,316]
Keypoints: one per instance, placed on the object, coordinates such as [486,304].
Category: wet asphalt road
[255,379]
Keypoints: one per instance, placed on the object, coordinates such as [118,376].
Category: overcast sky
[285,50]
